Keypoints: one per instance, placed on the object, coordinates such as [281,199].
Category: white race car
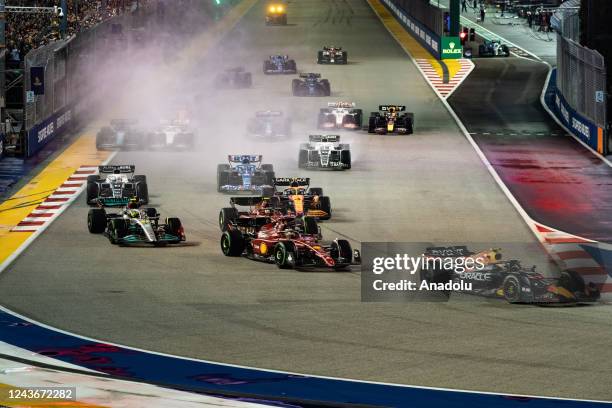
[172,134]
[340,115]
[325,152]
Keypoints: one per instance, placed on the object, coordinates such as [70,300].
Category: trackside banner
[427,38]
[580,126]
[56,125]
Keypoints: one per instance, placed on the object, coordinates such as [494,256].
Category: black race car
[493,48]
[269,125]
[391,119]
[234,78]
[279,64]
[121,134]
[490,276]
[332,55]
[310,84]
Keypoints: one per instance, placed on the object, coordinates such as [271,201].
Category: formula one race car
[324,152]
[244,173]
[276,14]
[289,243]
[493,48]
[332,55]
[279,64]
[390,120]
[490,276]
[175,134]
[234,78]
[133,225]
[121,134]
[299,198]
[341,115]
[310,84]
[269,125]
[114,186]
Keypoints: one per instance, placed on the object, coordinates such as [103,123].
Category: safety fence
[420,29]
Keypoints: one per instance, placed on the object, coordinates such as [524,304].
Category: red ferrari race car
[258,212]
[289,243]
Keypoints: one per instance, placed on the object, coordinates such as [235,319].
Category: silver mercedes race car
[340,115]
[115,185]
[324,152]
[134,225]
[120,134]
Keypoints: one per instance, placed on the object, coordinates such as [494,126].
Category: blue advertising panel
[45,131]
[581,127]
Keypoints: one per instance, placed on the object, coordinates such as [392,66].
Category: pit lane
[430,186]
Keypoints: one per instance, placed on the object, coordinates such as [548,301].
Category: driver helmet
[133,203]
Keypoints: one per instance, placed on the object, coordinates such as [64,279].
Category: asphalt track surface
[430,186]
[559,182]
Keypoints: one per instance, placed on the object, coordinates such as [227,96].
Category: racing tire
[267,66]
[320,57]
[291,67]
[481,50]
[247,80]
[118,230]
[295,87]
[309,225]
[326,87]
[409,125]
[96,220]
[344,57]
[93,191]
[174,227]
[139,178]
[511,288]
[267,167]
[303,159]
[372,125]
[325,205]
[316,191]
[222,176]
[232,243]
[269,177]
[505,50]
[341,248]
[151,212]
[284,255]
[142,193]
[345,159]
[226,216]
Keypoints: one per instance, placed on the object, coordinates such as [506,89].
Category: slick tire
[284,255]
[93,191]
[303,159]
[232,243]
[227,216]
[345,158]
[511,288]
[325,205]
[320,57]
[118,230]
[316,191]
[174,226]
[341,248]
[96,220]
[142,193]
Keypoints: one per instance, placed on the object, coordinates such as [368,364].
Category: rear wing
[397,108]
[341,104]
[287,181]
[268,113]
[111,169]
[324,138]
[239,158]
[332,47]
[452,251]
[246,201]
[123,122]
[309,75]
